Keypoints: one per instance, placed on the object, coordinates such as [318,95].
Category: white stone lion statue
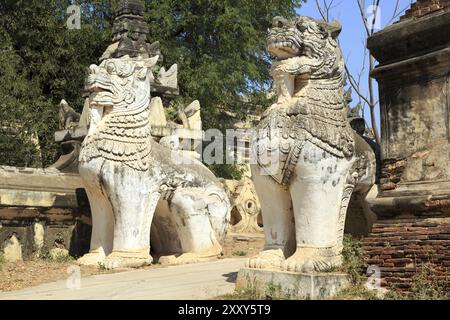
[320,160]
[127,175]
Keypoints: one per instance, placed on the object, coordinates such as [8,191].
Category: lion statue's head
[305,46]
[120,84]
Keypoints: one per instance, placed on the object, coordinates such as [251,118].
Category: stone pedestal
[289,285]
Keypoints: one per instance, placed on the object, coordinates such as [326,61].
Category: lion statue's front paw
[188,258]
[268,259]
[307,264]
[119,260]
[91,259]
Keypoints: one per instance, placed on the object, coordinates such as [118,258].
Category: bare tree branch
[361,6]
[322,13]
[397,4]
[363,68]
[355,86]
[375,15]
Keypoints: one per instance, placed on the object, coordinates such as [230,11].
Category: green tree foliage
[219,45]
[41,63]
[16,92]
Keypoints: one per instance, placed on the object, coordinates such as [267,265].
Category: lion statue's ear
[333,28]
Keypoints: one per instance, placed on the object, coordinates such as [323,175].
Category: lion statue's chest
[283,133]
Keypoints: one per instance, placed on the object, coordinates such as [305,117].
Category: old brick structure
[424,7]
[413,202]
[400,247]
[43,209]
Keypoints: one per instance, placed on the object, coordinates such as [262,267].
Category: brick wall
[401,247]
[424,7]
[391,173]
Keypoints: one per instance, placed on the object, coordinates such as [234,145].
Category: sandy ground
[20,275]
[200,281]
[243,245]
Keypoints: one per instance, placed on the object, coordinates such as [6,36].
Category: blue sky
[352,38]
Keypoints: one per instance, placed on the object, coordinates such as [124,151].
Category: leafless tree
[370,23]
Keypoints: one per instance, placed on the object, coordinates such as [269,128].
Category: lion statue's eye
[111,68]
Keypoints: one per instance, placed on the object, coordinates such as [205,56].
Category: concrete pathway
[188,282]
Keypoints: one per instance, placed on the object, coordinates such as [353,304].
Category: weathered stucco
[414,87]
[413,205]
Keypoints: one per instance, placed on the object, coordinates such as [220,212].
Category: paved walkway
[188,282]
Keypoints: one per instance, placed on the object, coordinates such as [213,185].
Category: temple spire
[130,33]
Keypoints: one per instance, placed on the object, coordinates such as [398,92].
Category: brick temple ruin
[413,204]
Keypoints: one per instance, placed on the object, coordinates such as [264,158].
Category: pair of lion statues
[311,164]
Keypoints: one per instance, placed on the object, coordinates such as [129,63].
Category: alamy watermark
[74,20]
[73,282]
[374,279]
[232,147]
[373,17]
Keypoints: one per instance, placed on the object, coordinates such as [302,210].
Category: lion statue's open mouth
[100,87]
[110,83]
[310,42]
[285,39]
[283,49]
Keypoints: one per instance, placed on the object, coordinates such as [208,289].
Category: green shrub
[353,264]
[357,292]
[424,286]
[58,257]
[240,253]
[353,259]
